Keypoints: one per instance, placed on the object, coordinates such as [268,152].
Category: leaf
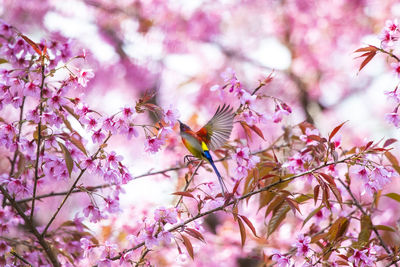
[338,229]
[392,158]
[293,205]
[188,245]
[328,178]
[184,194]
[249,224]
[277,217]
[335,130]
[316,193]
[242,231]
[367,49]
[72,112]
[2,61]
[367,60]
[21,165]
[393,196]
[277,201]
[336,192]
[68,159]
[257,131]
[246,128]
[196,234]
[32,44]
[78,144]
[36,132]
[312,214]
[389,142]
[366,229]
[384,228]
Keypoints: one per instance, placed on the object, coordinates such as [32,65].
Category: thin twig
[49,252]
[72,188]
[38,144]
[20,258]
[93,188]
[266,188]
[359,206]
[188,182]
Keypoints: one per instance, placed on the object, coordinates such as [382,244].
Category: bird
[211,136]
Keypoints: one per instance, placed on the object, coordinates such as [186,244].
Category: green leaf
[384,228]
[366,229]
[68,159]
[393,196]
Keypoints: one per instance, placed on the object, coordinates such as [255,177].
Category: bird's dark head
[183,127]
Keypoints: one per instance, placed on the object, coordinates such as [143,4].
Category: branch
[50,254]
[359,206]
[188,182]
[20,258]
[72,188]
[94,188]
[266,188]
[38,144]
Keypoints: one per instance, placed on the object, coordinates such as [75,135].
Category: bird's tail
[220,180]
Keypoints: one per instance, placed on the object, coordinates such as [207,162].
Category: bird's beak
[179,122]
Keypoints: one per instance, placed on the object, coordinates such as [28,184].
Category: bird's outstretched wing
[217,131]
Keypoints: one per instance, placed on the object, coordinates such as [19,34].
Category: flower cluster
[245,161]
[154,233]
[374,177]
[390,34]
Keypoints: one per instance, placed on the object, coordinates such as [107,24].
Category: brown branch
[266,188]
[38,143]
[188,182]
[73,187]
[43,243]
[359,206]
[94,188]
[15,254]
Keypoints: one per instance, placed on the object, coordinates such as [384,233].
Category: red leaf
[257,131]
[369,48]
[246,128]
[242,231]
[184,194]
[328,178]
[235,188]
[32,44]
[367,59]
[337,128]
[316,193]
[195,234]
[389,142]
[188,246]
[249,224]
[293,205]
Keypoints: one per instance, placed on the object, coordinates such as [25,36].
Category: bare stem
[188,182]
[15,254]
[266,188]
[38,144]
[72,188]
[359,206]
[94,188]
[43,243]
